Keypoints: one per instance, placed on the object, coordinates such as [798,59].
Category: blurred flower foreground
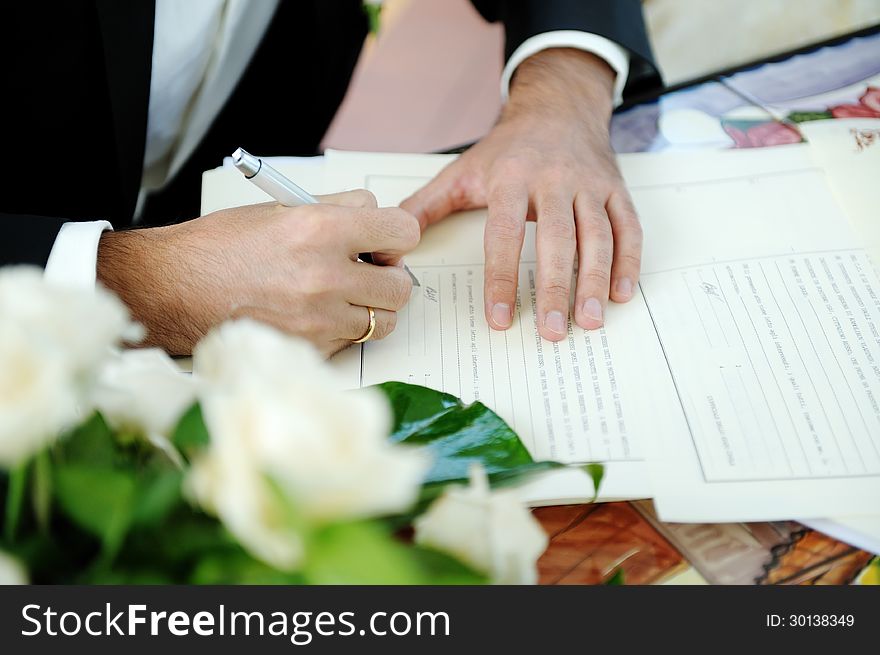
[116,467]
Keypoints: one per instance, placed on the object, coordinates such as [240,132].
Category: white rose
[11,570]
[37,399]
[493,532]
[143,391]
[52,341]
[276,412]
[82,321]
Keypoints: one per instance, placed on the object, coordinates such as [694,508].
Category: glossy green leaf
[458,435]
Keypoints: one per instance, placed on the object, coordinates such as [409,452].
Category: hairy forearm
[562,82]
[137,267]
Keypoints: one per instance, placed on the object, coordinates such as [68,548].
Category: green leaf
[367,553]
[122,576]
[157,495]
[191,433]
[360,553]
[91,442]
[185,537]
[615,579]
[444,569]
[99,500]
[596,473]
[16,484]
[458,435]
[234,566]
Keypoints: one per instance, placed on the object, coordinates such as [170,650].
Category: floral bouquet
[116,467]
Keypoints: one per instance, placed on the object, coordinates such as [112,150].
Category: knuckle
[320,280]
[401,291]
[310,326]
[502,282]
[556,175]
[411,229]
[624,198]
[598,231]
[509,167]
[595,277]
[386,326]
[400,225]
[559,230]
[634,228]
[506,227]
[313,225]
[308,281]
[556,287]
[365,197]
[630,224]
[628,259]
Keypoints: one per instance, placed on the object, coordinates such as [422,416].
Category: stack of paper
[741,383]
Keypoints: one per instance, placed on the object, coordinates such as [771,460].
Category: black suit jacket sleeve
[27,239]
[620,21]
[75,88]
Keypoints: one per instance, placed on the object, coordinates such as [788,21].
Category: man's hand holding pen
[294,268]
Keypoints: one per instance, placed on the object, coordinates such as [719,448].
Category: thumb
[439,197]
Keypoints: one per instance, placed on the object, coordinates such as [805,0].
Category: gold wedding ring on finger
[370,329]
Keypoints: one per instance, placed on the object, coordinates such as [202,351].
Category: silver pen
[282,189]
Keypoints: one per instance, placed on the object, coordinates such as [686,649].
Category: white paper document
[574,401]
[746,370]
[741,383]
[849,152]
[768,311]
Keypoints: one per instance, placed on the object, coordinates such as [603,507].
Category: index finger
[503,240]
[390,232]
[353,198]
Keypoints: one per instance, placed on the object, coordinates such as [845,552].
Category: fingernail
[555,322]
[501,314]
[624,287]
[593,309]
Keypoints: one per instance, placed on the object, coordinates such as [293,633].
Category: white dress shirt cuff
[615,56]
[73,261]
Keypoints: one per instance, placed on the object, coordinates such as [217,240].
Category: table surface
[625,542]
[589,544]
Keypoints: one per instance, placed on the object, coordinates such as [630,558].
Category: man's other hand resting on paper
[549,160]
